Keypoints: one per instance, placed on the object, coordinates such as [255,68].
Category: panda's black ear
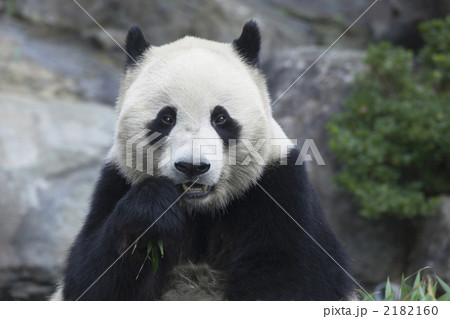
[135,45]
[249,43]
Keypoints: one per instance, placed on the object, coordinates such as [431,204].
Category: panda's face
[194,112]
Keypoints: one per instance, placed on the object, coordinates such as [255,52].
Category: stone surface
[166,21]
[432,247]
[284,22]
[52,152]
[51,64]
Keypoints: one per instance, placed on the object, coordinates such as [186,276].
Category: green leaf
[161,248]
[142,266]
[421,292]
[134,248]
[388,295]
[149,248]
[444,297]
[365,296]
[432,289]
[443,285]
[417,293]
[428,297]
[417,280]
[405,290]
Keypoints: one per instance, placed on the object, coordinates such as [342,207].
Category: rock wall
[284,22]
[52,151]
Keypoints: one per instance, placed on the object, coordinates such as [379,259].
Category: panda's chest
[194,273]
[205,239]
[191,281]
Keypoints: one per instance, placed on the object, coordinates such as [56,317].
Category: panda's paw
[150,209]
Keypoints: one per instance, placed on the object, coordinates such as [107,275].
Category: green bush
[392,141]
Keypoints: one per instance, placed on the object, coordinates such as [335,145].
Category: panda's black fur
[249,43]
[251,250]
[135,46]
[262,253]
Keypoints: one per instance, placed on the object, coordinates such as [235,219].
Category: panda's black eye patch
[227,127]
[163,123]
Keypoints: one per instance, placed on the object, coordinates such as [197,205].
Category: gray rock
[52,64]
[52,153]
[166,21]
[283,22]
[397,20]
[432,246]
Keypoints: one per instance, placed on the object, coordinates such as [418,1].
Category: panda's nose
[192,169]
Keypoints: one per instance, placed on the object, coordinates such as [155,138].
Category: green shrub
[424,288]
[435,54]
[392,141]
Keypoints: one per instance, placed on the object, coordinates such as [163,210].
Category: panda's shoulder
[286,177]
[283,185]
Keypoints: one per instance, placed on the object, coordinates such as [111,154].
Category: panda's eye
[221,119]
[167,119]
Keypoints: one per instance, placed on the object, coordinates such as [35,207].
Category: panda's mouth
[195,190]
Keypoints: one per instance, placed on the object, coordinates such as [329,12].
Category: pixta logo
[145,151]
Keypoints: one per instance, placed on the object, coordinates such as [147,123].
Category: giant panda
[246,225]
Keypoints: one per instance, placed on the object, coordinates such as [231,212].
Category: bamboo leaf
[428,297]
[405,290]
[362,294]
[149,248]
[142,266]
[388,291]
[134,248]
[417,280]
[443,285]
[161,247]
[445,297]
[432,289]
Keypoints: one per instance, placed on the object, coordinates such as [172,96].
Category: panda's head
[196,111]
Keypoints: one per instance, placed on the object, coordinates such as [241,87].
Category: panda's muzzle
[191,171]
[195,190]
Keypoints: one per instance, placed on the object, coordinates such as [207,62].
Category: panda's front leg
[105,265]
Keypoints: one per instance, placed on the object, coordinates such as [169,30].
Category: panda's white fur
[195,75]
